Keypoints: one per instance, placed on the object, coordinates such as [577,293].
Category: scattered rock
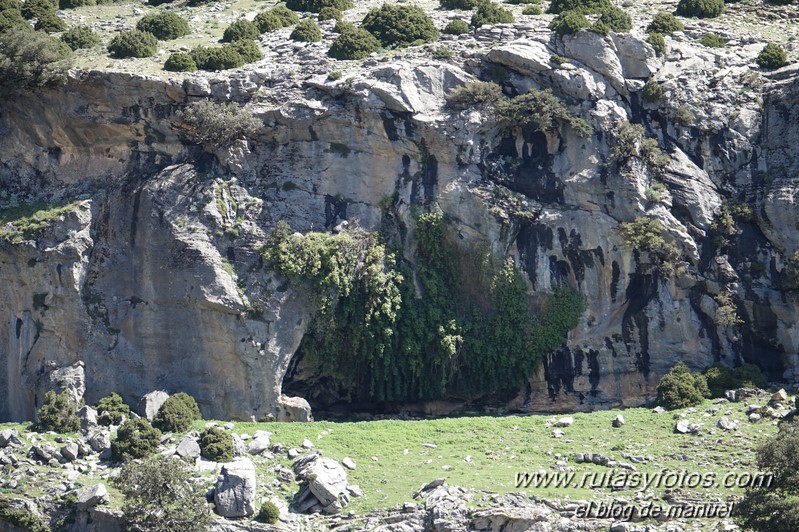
[327,480]
[355,491]
[658,410]
[557,433]
[780,396]
[618,421]
[88,419]
[70,451]
[92,496]
[234,493]
[684,427]
[754,417]
[308,444]
[348,463]
[259,443]
[99,440]
[9,437]
[293,409]
[726,424]
[564,422]
[149,404]
[188,447]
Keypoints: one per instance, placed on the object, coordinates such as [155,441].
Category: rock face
[234,494]
[152,277]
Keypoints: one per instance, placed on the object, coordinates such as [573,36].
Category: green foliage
[721,378]
[67,4]
[58,413]
[473,94]
[35,8]
[569,22]
[50,23]
[774,508]
[700,8]
[215,59]
[726,312]
[289,17]
[27,222]
[111,409]
[540,110]
[268,21]
[791,273]
[615,19]
[180,62]
[656,193]
[456,27]
[21,518]
[241,29]
[315,6]
[711,40]
[772,56]
[681,388]
[216,444]
[248,50]
[532,10]
[353,43]
[581,6]
[165,25]
[397,26]
[219,124]
[11,19]
[177,413]
[652,91]
[29,60]
[658,42]
[465,5]
[14,5]
[684,116]
[307,30]
[329,13]
[161,496]
[442,54]
[80,37]
[136,438]
[647,234]
[488,12]
[631,143]
[269,513]
[133,43]
[664,24]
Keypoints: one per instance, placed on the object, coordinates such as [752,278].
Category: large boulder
[327,480]
[294,409]
[70,378]
[188,447]
[234,495]
[9,437]
[88,418]
[149,404]
[92,496]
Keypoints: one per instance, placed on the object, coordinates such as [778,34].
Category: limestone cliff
[153,279]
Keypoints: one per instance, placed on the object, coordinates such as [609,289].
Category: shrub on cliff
[315,6]
[214,59]
[658,42]
[241,29]
[67,4]
[180,62]
[269,513]
[490,13]
[700,8]
[136,438]
[306,31]
[456,27]
[582,6]
[165,25]
[652,91]
[569,22]
[12,19]
[34,8]
[216,444]
[29,60]
[161,496]
[397,26]
[219,124]
[473,94]
[711,40]
[248,50]
[681,388]
[665,24]
[111,409]
[613,19]
[133,43]
[647,234]
[286,15]
[465,5]
[721,378]
[177,413]
[329,13]
[58,413]
[539,110]
[80,37]
[772,56]
[267,21]
[353,43]
[50,23]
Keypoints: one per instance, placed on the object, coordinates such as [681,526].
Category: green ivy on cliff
[465,328]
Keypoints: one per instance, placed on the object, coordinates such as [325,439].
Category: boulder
[234,493]
[726,424]
[293,409]
[70,451]
[188,447]
[618,421]
[754,417]
[92,496]
[259,443]
[780,396]
[149,404]
[99,440]
[71,378]
[326,478]
[564,422]
[348,463]
[9,437]
[88,419]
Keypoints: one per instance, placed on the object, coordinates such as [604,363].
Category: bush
[50,23]
[700,8]
[582,6]
[215,59]
[177,413]
[721,378]
[67,4]
[532,10]
[268,21]
[353,44]
[329,13]
[615,19]
[456,27]
[287,16]
[465,5]
[35,8]
[180,62]
[133,43]
[647,234]
[241,29]
[112,410]
[569,22]
[165,25]
[397,26]
[711,40]
[665,24]
[216,444]
[490,13]
[473,94]
[315,6]
[58,413]
[219,124]
[658,42]
[29,60]
[20,518]
[13,5]
[681,388]
[540,110]
[269,513]
[161,496]
[80,37]
[652,91]
[12,20]
[306,31]
[136,438]
[772,56]
[248,50]
[774,507]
